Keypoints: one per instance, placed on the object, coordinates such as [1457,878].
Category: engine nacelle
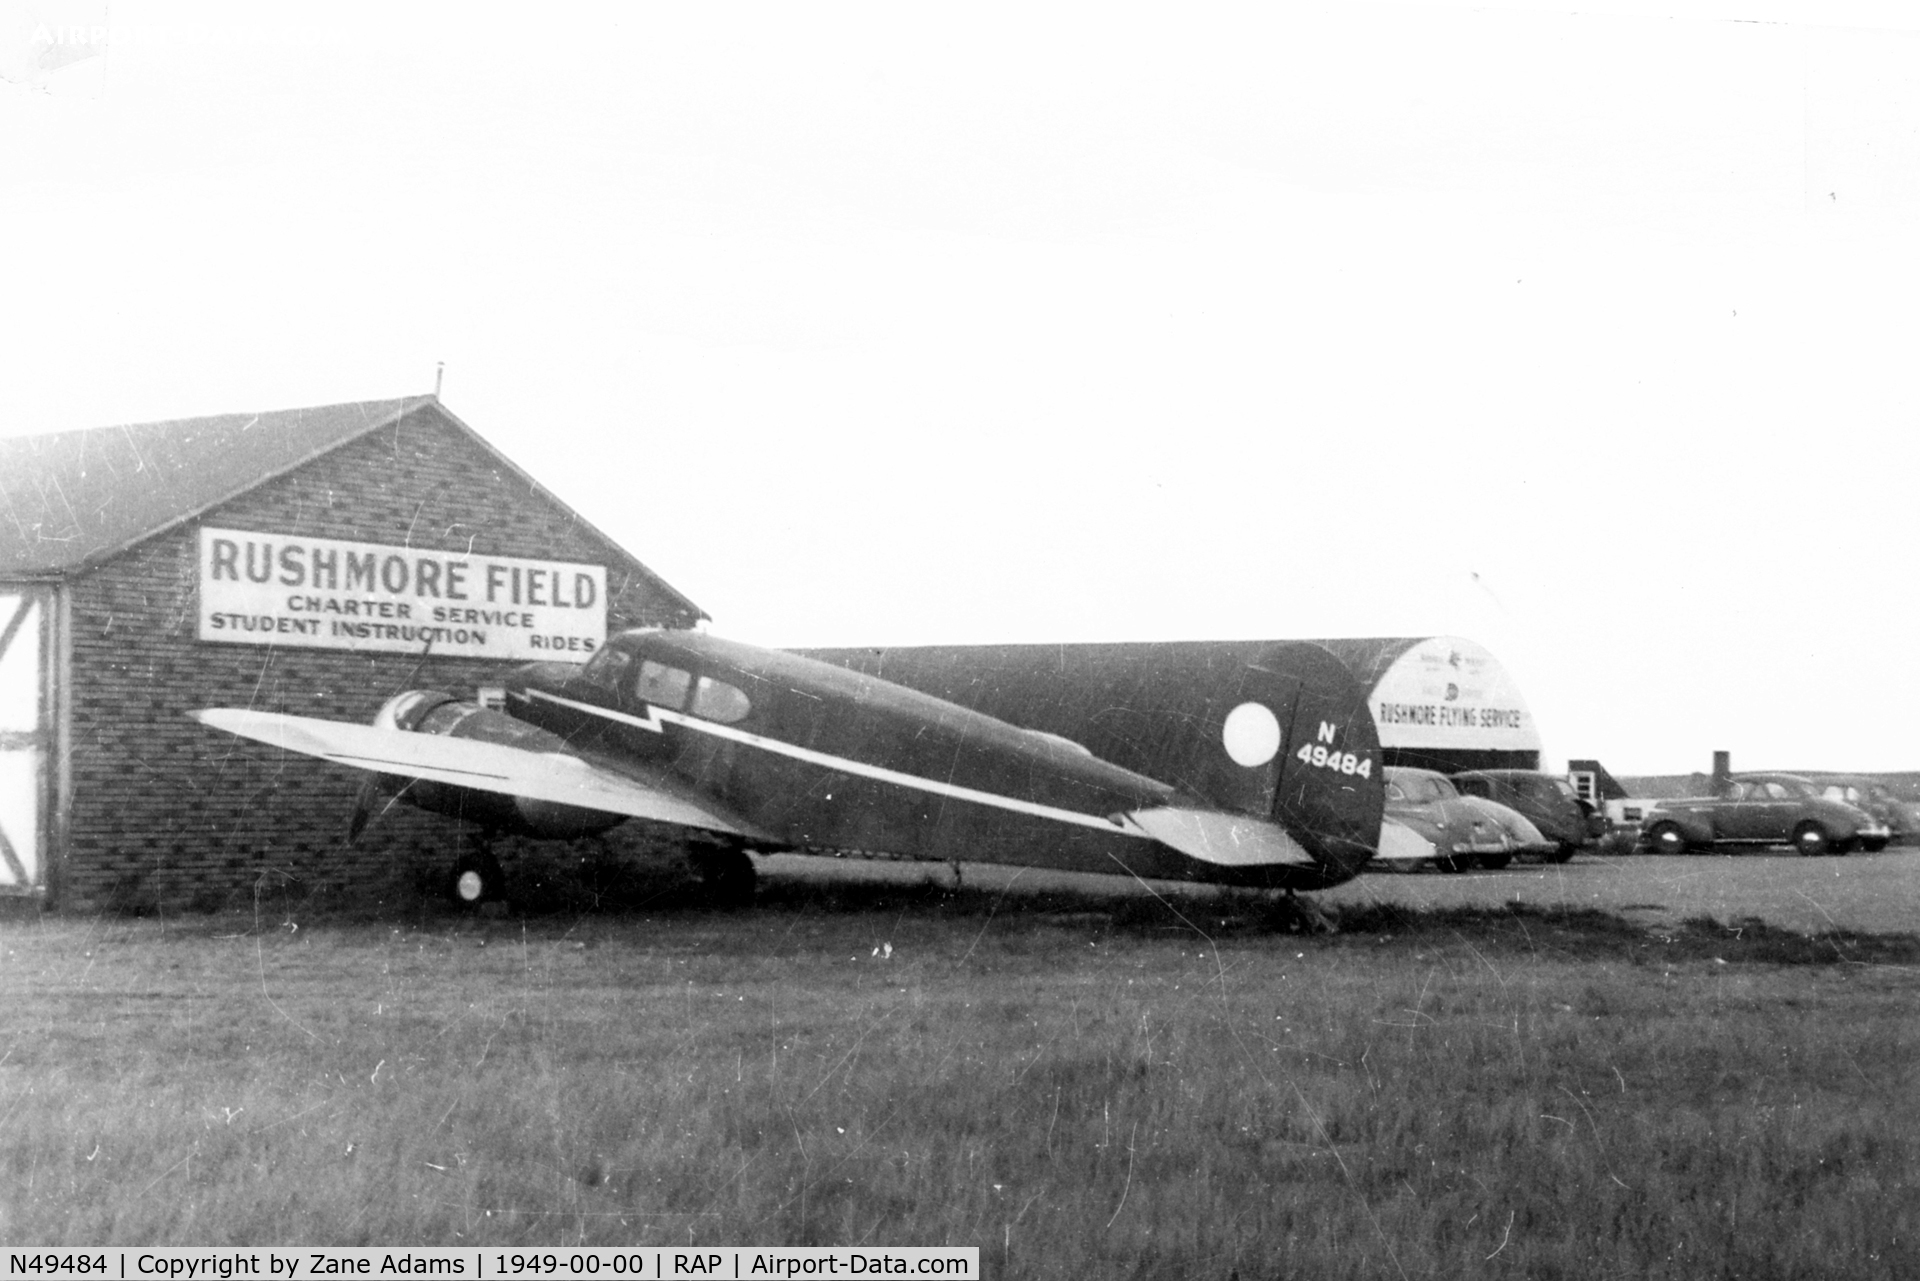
[432,711]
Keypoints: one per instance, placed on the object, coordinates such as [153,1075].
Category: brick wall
[168,812]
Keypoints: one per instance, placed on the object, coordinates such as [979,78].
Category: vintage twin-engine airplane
[1252,765]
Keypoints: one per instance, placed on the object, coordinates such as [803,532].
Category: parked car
[1548,802]
[1762,809]
[1427,819]
[1876,798]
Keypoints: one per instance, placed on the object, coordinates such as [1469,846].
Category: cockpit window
[663,686]
[606,668]
[718,701]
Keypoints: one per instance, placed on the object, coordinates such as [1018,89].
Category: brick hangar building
[315,561]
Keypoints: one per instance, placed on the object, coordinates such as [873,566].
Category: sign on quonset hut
[310,560]
[1443,702]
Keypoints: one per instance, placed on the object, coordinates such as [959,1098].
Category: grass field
[1083,1088]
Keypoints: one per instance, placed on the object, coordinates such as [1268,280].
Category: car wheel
[1494,862]
[1453,862]
[1811,839]
[475,879]
[1873,844]
[1667,838]
[1562,852]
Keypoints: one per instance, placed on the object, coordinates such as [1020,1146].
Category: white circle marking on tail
[1251,734]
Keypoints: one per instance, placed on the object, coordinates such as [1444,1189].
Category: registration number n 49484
[1317,755]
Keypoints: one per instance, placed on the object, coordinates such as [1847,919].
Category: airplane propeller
[369,792]
[362,809]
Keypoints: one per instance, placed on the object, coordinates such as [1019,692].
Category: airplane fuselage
[821,757]
[1248,764]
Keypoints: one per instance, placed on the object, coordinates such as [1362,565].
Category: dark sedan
[1762,809]
[1548,802]
[1876,798]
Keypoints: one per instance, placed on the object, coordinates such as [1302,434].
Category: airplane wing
[559,777]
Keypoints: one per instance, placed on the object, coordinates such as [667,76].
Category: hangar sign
[323,593]
[1447,692]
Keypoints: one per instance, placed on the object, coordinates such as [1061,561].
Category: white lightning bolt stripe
[658,718]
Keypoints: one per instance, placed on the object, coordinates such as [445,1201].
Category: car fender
[1517,831]
[1845,819]
[1697,825]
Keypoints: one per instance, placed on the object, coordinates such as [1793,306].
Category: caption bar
[712,1263]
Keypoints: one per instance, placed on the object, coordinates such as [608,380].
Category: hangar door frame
[28,736]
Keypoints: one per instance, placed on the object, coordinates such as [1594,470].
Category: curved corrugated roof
[1370,657]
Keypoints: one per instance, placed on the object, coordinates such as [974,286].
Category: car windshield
[1418,787]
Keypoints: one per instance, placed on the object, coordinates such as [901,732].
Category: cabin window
[663,686]
[718,701]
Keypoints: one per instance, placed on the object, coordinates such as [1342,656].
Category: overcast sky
[1585,331]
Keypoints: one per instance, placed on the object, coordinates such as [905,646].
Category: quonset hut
[1442,703]
[314,561]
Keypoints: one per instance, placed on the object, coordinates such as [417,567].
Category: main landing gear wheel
[1812,840]
[727,875]
[475,879]
[1667,838]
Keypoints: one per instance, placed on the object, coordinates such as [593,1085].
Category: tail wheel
[1667,838]
[475,879]
[1812,840]
[727,875]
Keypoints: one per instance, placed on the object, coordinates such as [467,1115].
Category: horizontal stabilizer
[1220,838]
[557,777]
[1401,844]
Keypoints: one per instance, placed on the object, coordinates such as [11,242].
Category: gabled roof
[72,499]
